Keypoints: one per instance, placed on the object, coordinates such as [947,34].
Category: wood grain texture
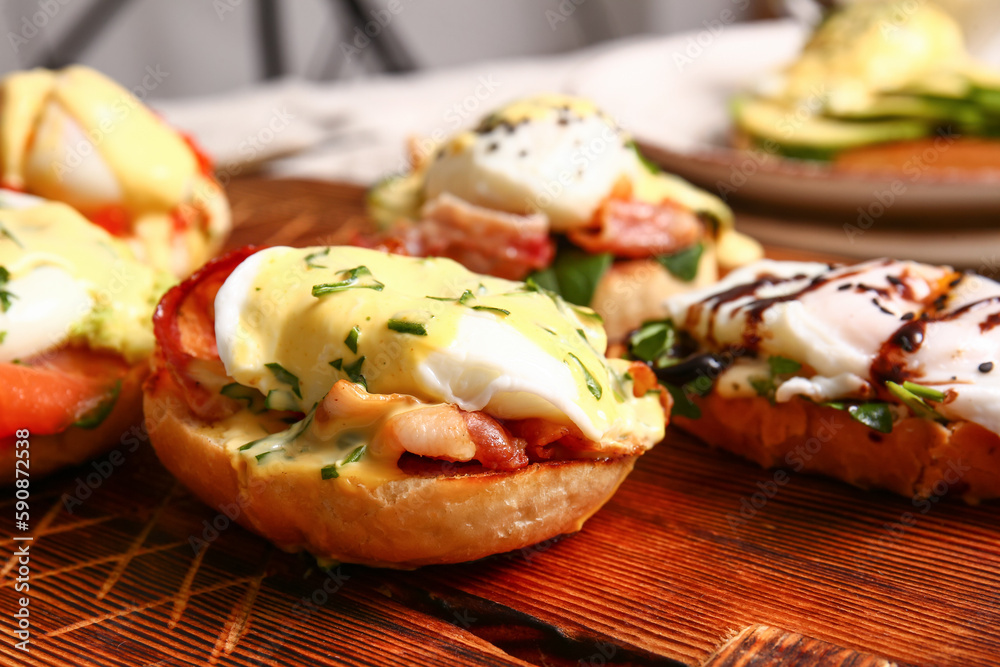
[763,646]
[666,574]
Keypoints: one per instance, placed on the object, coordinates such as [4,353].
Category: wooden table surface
[700,559]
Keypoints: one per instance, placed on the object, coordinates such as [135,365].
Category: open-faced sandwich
[882,374]
[877,84]
[77,137]
[551,187]
[76,331]
[389,410]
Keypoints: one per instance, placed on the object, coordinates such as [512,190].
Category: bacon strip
[635,229]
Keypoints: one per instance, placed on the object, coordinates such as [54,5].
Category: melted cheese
[70,281]
[418,337]
[76,136]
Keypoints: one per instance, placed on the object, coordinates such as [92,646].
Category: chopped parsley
[3,337]
[777,366]
[353,372]
[354,280]
[592,384]
[5,296]
[574,275]
[285,376]
[96,417]
[875,414]
[491,309]
[337,363]
[5,233]
[912,395]
[352,339]
[332,472]
[312,257]
[404,327]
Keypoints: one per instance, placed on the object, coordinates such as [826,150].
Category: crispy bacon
[501,244]
[496,449]
[628,228]
[184,324]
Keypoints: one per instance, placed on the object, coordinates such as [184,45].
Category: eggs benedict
[77,137]
[880,374]
[551,187]
[75,335]
[875,85]
[390,410]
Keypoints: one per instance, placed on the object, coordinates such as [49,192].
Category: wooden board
[700,559]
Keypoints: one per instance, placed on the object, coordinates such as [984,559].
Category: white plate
[673,95]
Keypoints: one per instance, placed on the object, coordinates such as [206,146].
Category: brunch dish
[392,411]
[710,69]
[77,137]
[876,85]
[700,558]
[75,334]
[880,374]
[552,189]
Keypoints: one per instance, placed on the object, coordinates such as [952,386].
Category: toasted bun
[633,291]
[399,524]
[919,457]
[75,445]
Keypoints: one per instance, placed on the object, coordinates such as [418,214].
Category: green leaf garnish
[96,417]
[592,384]
[683,405]
[285,376]
[783,366]
[404,327]
[650,166]
[240,392]
[312,257]
[683,264]
[913,401]
[277,441]
[874,415]
[574,275]
[5,296]
[3,337]
[352,339]
[352,281]
[653,341]
[491,309]
[332,471]
[337,363]
[923,391]
[353,372]
[5,233]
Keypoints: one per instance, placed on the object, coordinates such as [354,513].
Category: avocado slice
[815,137]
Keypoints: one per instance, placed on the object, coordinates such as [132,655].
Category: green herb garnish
[914,401]
[3,337]
[683,405]
[337,363]
[574,275]
[404,327]
[331,471]
[652,343]
[285,376]
[96,417]
[491,309]
[352,281]
[777,366]
[683,264]
[352,339]
[240,392]
[311,257]
[5,233]
[5,296]
[875,414]
[353,372]
[592,385]
[923,391]
[650,166]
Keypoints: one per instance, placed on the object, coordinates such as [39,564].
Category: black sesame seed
[956,281]
[492,147]
[893,280]
[881,307]
[986,367]
[907,316]
[845,286]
